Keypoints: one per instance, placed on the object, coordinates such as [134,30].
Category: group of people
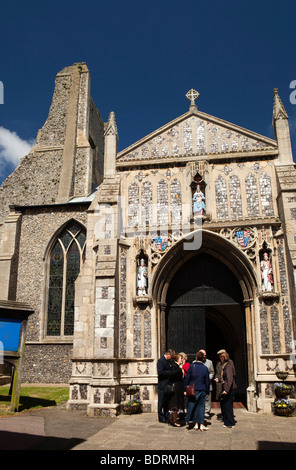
[175,373]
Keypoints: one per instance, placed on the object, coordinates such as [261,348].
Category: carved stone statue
[198,201]
[142,278]
[266,274]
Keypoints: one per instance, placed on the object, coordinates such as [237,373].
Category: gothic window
[64,266]
[221,198]
[133,205]
[187,138]
[200,136]
[235,197]
[146,206]
[252,195]
[162,203]
[266,195]
[176,201]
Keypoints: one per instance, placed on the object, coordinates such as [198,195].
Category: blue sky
[143,56]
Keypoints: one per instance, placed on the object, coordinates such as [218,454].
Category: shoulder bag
[190,389]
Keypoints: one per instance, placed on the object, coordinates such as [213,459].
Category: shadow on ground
[63,430]
[26,403]
[270,445]
[20,441]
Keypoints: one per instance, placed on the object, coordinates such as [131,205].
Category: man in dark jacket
[163,371]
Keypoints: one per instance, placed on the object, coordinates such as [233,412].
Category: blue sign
[10,334]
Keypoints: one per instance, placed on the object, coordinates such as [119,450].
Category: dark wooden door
[186,329]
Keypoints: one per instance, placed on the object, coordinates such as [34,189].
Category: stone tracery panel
[176,201]
[123,302]
[162,204]
[133,204]
[252,195]
[200,137]
[209,137]
[264,331]
[187,130]
[235,197]
[221,198]
[146,203]
[266,195]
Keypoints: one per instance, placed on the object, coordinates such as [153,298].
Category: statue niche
[266,269]
[198,195]
[142,275]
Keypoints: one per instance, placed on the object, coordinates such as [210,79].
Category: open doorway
[205,310]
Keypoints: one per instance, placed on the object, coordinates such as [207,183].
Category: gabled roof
[196,134]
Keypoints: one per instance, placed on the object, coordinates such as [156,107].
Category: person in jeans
[198,374]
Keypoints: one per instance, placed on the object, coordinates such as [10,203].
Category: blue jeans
[196,408]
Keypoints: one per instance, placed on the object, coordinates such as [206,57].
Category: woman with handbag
[197,375]
[176,399]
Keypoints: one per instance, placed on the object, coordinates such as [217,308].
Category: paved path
[144,432]
[58,429]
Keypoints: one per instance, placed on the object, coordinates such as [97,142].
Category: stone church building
[184,240]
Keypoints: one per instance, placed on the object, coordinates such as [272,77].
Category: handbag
[169,389]
[190,389]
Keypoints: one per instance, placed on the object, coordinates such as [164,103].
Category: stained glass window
[65,261]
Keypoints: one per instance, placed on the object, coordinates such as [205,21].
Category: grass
[33,398]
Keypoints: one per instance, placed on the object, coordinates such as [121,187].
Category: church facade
[184,240]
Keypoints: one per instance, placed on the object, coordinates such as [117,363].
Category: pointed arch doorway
[205,309]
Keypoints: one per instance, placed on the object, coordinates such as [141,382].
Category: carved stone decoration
[123,369]
[108,396]
[146,394]
[80,367]
[103,369]
[97,396]
[83,391]
[74,393]
[160,243]
[244,238]
[143,368]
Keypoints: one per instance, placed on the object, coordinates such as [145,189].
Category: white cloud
[12,147]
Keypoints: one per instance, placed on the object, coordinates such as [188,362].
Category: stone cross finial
[192,95]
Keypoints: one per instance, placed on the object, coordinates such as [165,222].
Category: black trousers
[163,408]
[227,408]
